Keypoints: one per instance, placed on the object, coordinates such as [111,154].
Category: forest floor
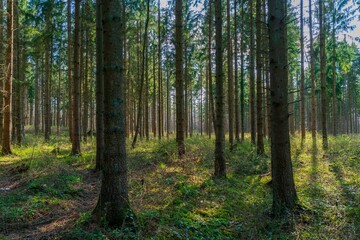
[47,194]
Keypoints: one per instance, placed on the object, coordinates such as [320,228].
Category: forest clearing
[179,199]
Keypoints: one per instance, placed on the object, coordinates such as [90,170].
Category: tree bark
[284,194]
[312,75]
[142,80]
[323,75]
[230,78]
[252,77]
[260,137]
[113,203]
[179,84]
[6,147]
[302,80]
[99,88]
[76,85]
[220,163]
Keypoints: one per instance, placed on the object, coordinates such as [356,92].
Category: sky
[351,35]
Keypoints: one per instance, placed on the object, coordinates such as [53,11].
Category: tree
[75,150]
[179,82]
[99,88]
[284,194]
[113,204]
[6,143]
[302,81]
[312,75]
[70,112]
[260,140]
[220,163]
[230,78]
[142,80]
[252,77]
[323,74]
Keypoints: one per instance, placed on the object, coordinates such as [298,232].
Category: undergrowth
[178,198]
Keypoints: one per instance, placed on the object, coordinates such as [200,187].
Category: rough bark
[142,80]
[312,75]
[252,76]
[302,74]
[220,163]
[113,204]
[75,150]
[99,88]
[6,147]
[230,77]
[323,75]
[259,110]
[284,194]
[179,82]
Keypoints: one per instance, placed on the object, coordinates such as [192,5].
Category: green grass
[178,198]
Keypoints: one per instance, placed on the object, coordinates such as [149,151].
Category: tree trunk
[211,94]
[334,97]
[302,80]
[76,85]
[252,77]
[284,194]
[323,75]
[99,88]
[113,203]
[145,42]
[179,84]
[70,112]
[2,70]
[230,78]
[160,100]
[242,85]
[312,75]
[6,148]
[220,163]
[260,137]
[47,79]
[237,102]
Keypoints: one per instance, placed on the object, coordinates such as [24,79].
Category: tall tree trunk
[334,97]
[211,94]
[37,98]
[76,85]
[69,64]
[2,69]
[99,88]
[220,163]
[284,194]
[252,77]
[47,78]
[242,84]
[146,105]
[312,75]
[237,102]
[154,99]
[168,104]
[85,115]
[179,84]
[323,75]
[145,42]
[302,80]
[6,147]
[260,137]
[230,78]
[113,203]
[160,100]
